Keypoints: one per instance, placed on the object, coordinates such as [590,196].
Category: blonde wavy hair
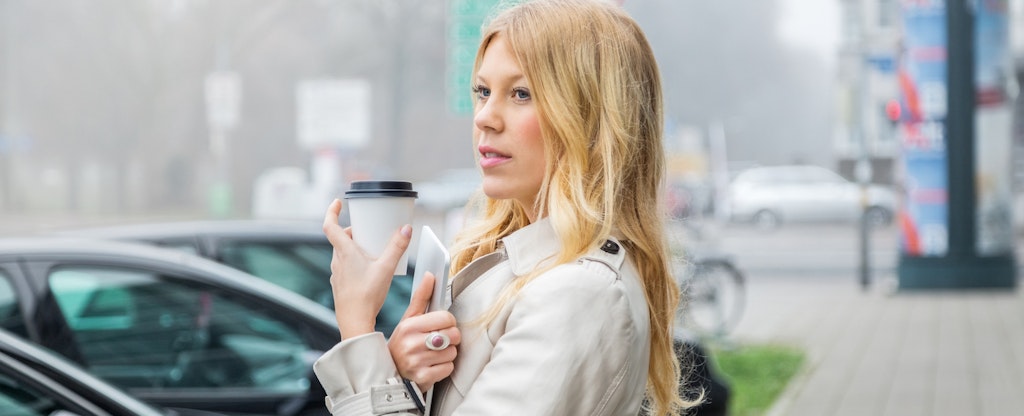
[597,91]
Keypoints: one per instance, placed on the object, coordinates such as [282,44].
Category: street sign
[223,99]
[465,18]
[333,112]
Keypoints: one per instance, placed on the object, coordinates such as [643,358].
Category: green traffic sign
[465,18]
[475,8]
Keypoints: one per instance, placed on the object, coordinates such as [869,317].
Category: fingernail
[407,230]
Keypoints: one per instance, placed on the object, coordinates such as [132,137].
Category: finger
[433,358]
[420,296]
[396,247]
[426,377]
[454,334]
[331,227]
[417,343]
[333,211]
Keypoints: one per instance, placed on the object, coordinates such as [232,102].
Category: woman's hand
[408,345]
[359,282]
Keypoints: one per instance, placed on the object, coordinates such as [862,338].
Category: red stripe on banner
[910,94]
[929,196]
[910,235]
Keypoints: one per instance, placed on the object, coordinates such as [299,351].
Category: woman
[562,300]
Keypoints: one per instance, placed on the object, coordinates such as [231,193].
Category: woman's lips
[491,157]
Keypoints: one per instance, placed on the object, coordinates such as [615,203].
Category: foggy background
[117,111]
[103,111]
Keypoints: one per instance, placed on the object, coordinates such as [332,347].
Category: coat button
[610,247]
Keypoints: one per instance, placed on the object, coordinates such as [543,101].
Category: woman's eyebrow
[510,79]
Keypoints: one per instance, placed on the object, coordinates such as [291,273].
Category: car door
[835,198]
[303,265]
[814,194]
[791,193]
[25,392]
[175,341]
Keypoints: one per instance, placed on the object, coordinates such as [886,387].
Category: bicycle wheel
[713,297]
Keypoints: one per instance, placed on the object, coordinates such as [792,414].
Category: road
[827,249]
[820,250]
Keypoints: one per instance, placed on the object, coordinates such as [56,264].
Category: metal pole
[719,172]
[7,144]
[864,234]
[862,169]
[960,130]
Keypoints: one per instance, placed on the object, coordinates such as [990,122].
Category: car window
[140,330]
[10,311]
[815,175]
[303,268]
[761,176]
[19,399]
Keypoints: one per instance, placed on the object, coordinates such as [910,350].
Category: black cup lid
[377,189]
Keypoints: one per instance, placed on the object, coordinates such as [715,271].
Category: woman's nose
[488,115]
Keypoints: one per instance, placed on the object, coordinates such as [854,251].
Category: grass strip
[757,374]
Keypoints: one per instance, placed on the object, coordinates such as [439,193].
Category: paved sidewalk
[884,353]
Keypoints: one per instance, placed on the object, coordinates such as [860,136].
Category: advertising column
[922,83]
[956,91]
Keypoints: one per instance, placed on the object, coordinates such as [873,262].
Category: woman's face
[506,130]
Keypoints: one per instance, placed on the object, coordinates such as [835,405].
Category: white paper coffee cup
[376,210]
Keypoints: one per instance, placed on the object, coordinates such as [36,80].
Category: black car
[297,254]
[172,329]
[292,254]
[37,382]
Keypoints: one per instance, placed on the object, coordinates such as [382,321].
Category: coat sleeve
[570,346]
[360,378]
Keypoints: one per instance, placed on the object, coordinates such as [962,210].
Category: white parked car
[768,196]
[451,189]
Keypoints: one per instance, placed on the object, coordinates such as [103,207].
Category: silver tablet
[432,256]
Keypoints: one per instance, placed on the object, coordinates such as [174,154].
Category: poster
[921,77]
[993,81]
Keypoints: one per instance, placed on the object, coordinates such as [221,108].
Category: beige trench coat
[576,341]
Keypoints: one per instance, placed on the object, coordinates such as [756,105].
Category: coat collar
[532,246]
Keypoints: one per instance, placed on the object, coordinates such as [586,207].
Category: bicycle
[712,287]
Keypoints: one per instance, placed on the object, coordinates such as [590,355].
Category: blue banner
[921,75]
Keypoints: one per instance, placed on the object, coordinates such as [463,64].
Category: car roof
[41,245]
[36,357]
[775,172]
[88,248]
[236,228]
[773,168]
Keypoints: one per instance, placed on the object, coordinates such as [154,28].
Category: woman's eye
[521,94]
[481,92]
